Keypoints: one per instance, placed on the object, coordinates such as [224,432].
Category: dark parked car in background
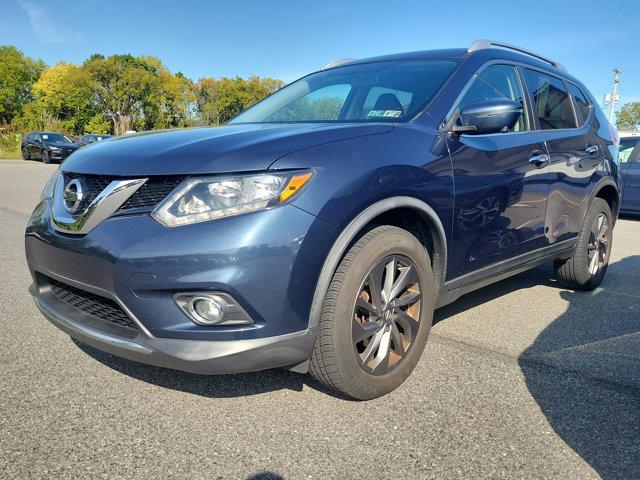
[630,172]
[319,229]
[91,138]
[48,146]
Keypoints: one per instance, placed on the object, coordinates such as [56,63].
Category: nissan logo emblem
[74,194]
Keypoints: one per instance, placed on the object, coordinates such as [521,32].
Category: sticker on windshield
[45,136]
[385,113]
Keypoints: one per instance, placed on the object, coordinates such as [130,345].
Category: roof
[482,49]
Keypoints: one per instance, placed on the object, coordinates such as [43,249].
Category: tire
[588,265]
[391,342]
[25,154]
[45,156]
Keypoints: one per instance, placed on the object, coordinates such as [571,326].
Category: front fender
[358,179]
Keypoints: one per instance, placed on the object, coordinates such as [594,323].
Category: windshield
[55,137]
[379,91]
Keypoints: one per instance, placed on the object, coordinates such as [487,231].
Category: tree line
[115,94]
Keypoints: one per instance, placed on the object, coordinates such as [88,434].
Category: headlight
[47,191]
[55,149]
[208,198]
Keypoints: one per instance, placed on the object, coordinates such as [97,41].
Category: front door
[501,182]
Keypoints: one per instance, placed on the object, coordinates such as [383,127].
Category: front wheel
[376,316]
[586,268]
[45,156]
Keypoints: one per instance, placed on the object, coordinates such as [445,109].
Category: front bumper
[195,356]
[60,155]
[268,261]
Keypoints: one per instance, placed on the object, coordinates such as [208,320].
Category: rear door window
[551,102]
[497,82]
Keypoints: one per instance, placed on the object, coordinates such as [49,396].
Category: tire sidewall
[45,156]
[393,242]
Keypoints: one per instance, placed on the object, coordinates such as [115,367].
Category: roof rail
[336,63]
[484,44]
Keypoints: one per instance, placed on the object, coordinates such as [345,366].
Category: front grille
[98,307]
[152,192]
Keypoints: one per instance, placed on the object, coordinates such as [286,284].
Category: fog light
[206,310]
[212,308]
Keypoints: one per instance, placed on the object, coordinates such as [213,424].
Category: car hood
[232,148]
[66,146]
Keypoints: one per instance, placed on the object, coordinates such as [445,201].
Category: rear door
[630,173]
[573,149]
[500,193]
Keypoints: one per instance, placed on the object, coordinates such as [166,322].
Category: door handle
[591,149]
[538,159]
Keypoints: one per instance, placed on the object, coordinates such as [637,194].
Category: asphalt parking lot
[519,380]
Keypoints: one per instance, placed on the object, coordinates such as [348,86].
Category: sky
[287,39]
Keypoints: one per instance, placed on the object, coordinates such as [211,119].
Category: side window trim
[533,118]
[451,115]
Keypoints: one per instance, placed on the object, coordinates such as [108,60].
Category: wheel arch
[409,213]
[608,191]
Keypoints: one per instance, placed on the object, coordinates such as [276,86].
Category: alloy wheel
[598,244]
[386,315]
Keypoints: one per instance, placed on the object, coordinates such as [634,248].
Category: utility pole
[615,96]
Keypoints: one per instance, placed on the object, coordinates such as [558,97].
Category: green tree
[628,118]
[172,103]
[65,93]
[98,124]
[17,75]
[122,86]
[219,100]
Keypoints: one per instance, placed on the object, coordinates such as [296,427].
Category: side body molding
[349,233]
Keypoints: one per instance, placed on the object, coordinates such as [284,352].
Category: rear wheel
[25,154]
[586,269]
[376,316]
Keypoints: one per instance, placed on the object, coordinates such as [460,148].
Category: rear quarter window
[581,101]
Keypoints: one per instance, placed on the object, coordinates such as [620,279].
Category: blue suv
[319,229]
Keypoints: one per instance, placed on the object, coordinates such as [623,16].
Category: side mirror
[489,116]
